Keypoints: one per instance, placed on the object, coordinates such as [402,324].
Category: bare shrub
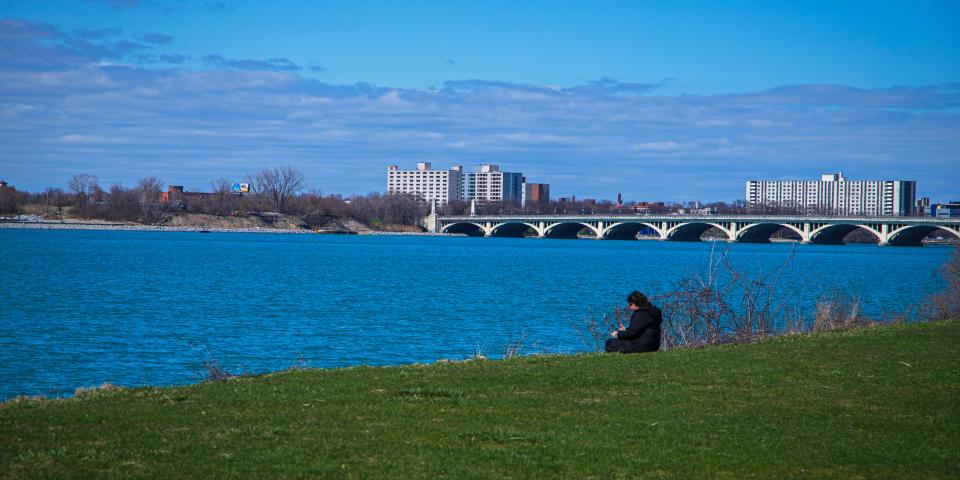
[479,352]
[105,387]
[696,311]
[762,300]
[514,347]
[301,362]
[214,372]
[724,303]
[946,304]
[839,310]
[221,199]
[23,399]
[593,329]
[729,303]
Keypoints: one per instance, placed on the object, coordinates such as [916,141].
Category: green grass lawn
[871,403]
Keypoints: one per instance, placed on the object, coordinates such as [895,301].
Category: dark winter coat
[642,335]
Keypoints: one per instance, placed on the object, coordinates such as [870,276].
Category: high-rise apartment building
[489,184]
[836,195]
[436,186]
[486,184]
[534,193]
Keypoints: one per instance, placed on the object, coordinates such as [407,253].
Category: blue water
[80,308]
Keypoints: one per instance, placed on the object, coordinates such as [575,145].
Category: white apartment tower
[836,195]
[436,186]
[489,184]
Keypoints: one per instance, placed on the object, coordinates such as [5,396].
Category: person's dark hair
[638,299]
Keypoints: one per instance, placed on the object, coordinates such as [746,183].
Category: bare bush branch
[725,303]
[945,305]
[514,347]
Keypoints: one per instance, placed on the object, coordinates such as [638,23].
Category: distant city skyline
[656,101]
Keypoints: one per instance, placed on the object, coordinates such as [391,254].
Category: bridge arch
[761,232]
[691,231]
[628,230]
[834,233]
[513,229]
[912,235]
[568,230]
[468,228]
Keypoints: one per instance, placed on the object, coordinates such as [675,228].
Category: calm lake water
[80,308]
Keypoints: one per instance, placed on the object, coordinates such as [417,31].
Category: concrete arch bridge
[905,231]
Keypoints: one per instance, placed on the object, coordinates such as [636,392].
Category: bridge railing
[654,217]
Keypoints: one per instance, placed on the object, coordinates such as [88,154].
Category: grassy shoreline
[881,402]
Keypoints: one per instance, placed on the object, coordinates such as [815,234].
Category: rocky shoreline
[41,225]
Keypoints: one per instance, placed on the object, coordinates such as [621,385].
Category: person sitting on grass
[643,333]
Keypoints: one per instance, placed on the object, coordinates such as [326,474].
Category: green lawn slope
[870,403]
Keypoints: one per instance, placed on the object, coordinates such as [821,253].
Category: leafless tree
[255,201]
[455,207]
[83,186]
[316,209]
[403,209]
[124,204]
[9,200]
[58,198]
[490,208]
[47,197]
[278,184]
[149,189]
[222,198]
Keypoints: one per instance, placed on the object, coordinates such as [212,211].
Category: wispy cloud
[117,4]
[273,64]
[157,38]
[173,58]
[40,46]
[98,33]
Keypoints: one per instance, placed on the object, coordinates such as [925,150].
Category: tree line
[282,189]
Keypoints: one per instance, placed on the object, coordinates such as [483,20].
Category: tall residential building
[436,186]
[534,193]
[836,195]
[489,184]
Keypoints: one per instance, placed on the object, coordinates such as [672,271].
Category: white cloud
[181,124]
[656,146]
[78,138]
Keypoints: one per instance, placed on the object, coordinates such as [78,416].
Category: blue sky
[658,100]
